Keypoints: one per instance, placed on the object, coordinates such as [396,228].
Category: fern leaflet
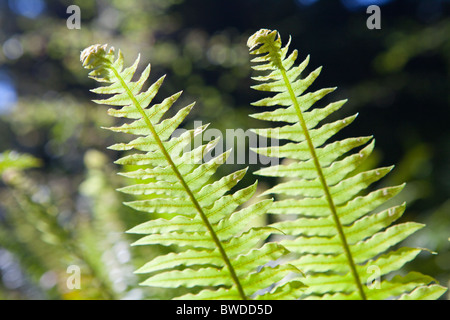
[341,242]
[216,249]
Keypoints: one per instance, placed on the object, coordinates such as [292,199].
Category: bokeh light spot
[12,48]
[8,94]
[358,4]
[27,8]
[306,2]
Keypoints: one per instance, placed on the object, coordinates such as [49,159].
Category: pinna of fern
[341,241]
[216,249]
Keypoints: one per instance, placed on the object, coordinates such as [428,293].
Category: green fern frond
[341,241]
[216,249]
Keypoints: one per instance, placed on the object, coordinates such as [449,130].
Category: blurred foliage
[67,212]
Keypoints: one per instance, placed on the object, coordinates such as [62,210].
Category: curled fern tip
[99,58]
[94,55]
[260,37]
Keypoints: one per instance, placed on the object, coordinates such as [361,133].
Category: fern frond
[341,241]
[216,249]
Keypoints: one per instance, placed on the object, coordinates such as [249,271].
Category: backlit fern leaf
[201,218]
[341,241]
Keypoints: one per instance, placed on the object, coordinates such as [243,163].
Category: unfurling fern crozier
[342,243]
[217,252]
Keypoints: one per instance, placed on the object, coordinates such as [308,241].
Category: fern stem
[185,186]
[323,181]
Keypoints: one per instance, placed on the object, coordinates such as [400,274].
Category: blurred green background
[65,211]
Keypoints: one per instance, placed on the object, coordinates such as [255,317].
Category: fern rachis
[338,239]
[215,248]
